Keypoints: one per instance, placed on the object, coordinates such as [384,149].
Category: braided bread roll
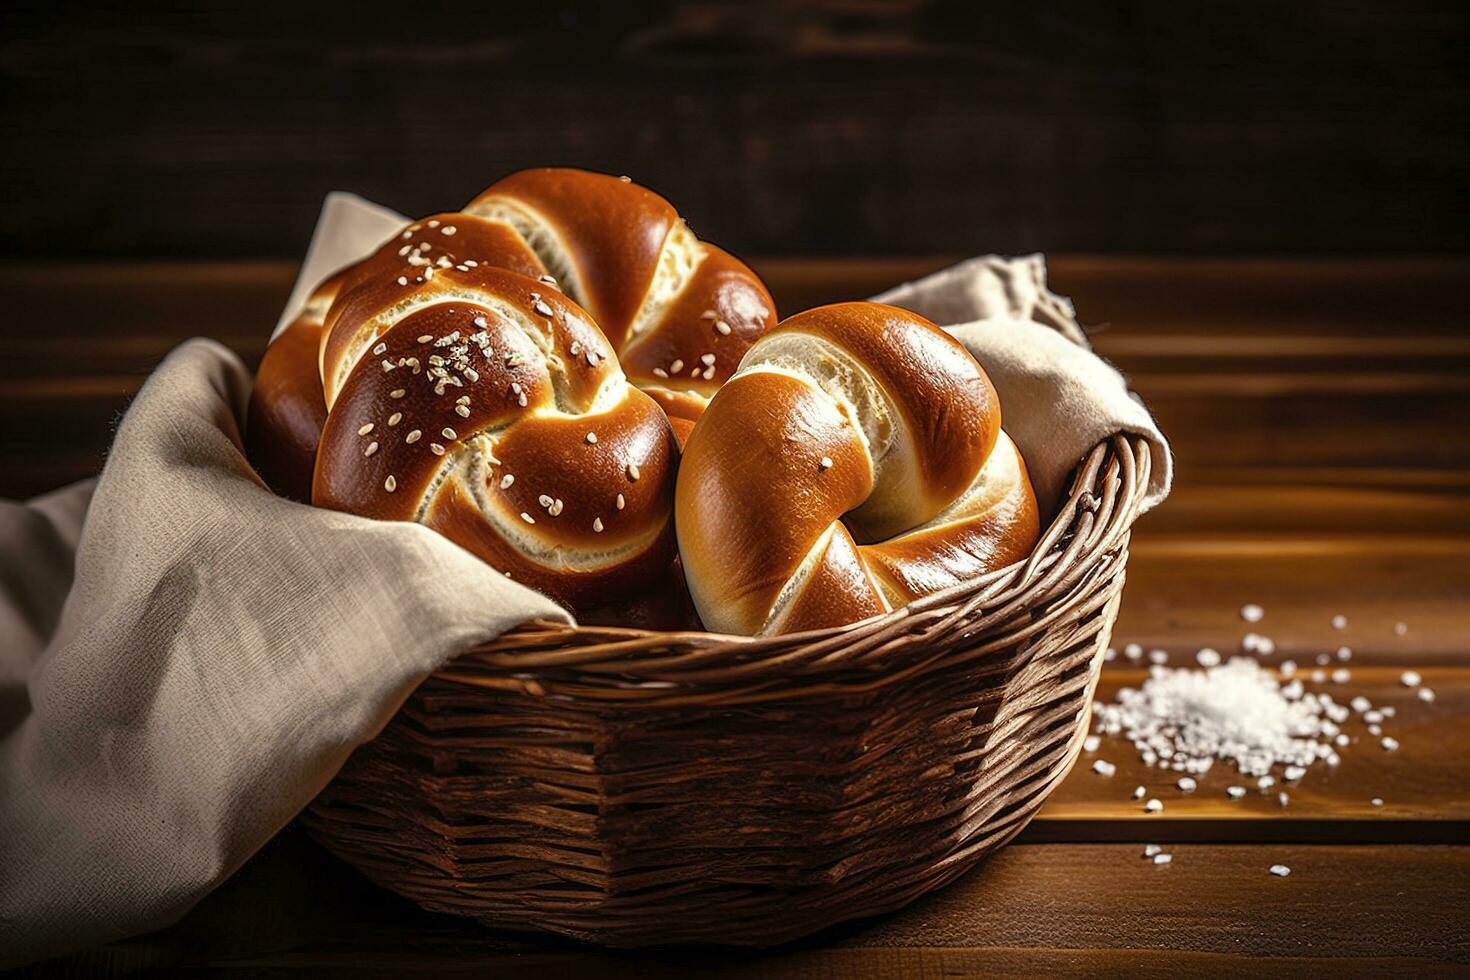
[482,403]
[680,313]
[849,423]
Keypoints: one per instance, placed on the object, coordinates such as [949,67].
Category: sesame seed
[709,373]
[592,438]
[544,500]
[597,524]
[433,223]
[413,437]
[448,433]
[390,484]
[463,411]
[506,481]
[826,462]
[575,349]
[709,315]
[448,230]
[364,430]
[706,358]
[437,449]
[620,503]
[462,400]
[660,373]
[541,307]
[397,392]
[1399,629]
[429,272]
[722,328]
[395,418]
[372,447]
[592,358]
[633,472]
[480,322]
[1280,870]
[403,280]
[522,400]
[407,234]
[527,518]
[556,507]
[676,366]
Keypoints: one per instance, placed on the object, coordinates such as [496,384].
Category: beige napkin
[219,651]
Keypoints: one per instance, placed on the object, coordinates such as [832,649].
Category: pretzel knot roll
[854,463]
[486,405]
[679,312]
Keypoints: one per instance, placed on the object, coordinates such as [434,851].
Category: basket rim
[1086,539]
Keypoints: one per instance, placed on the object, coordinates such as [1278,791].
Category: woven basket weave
[630,787]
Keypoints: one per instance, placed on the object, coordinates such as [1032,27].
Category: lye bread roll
[480,402]
[680,312]
[854,463]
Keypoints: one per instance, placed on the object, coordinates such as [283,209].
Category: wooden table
[1319,411]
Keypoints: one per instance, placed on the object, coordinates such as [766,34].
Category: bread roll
[480,402]
[680,312]
[855,462]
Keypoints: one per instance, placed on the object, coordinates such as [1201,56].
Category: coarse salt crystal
[1280,870]
[1158,656]
[1090,743]
[1251,613]
[1235,792]
[1153,806]
[1149,850]
[1400,629]
[1132,651]
[1163,858]
[1410,678]
[1138,792]
[1344,654]
[1426,694]
[1341,676]
[1377,801]
[1103,767]
[1339,622]
[1389,743]
[1208,657]
[1187,784]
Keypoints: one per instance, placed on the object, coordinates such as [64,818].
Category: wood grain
[1069,909]
[1422,784]
[830,126]
[1350,357]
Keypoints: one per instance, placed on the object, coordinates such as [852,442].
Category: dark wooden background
[855,127]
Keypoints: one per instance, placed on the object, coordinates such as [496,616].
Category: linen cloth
[186,659]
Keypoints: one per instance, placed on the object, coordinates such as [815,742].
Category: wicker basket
[631,787]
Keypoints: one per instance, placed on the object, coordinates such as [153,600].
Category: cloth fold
[186,659]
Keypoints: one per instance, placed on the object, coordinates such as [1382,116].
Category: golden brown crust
[680,313]
[831,409]
[287,406]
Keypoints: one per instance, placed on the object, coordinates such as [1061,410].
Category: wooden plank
[1422,784]
[1326,408]
[1162,127]
[1068,908]
[1185,591]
